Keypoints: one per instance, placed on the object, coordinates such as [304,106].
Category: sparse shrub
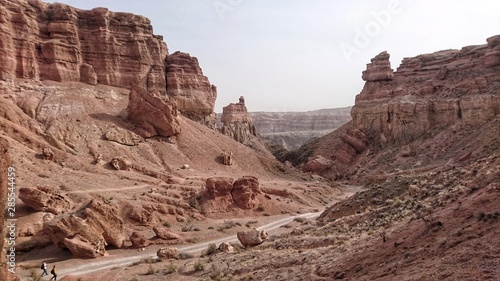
[34,275]
[260,208]
[134,279]
[266,214]
[249,223]
[227,225]
[151,270]
[185,256]
[172,268]
[199,266]
[166,224]
[300,220]
[187,228]
[212,249]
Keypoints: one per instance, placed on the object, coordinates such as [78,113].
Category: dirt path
[111,189]
[110,262]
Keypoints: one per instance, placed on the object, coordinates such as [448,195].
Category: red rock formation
[379,69]
[45,199]
[245,191]
[430,91]
[400,110]
[98,224]
[153,116]
[61,43]
[224,194]
[190,89]
[237,123]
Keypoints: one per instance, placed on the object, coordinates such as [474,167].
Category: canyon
[117,154]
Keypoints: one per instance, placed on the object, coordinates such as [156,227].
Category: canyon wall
[57,42]
[414,112]
[293,129]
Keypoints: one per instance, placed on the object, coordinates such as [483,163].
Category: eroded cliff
[57,42]
[429,110]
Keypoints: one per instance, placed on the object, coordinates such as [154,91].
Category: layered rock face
[428,92]
[429,97]
[293,129]
[57,42]
[191,90]
[237,123]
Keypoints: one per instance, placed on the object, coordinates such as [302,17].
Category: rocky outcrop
[121,164]
[57,42]
[396,112]
[123,136]
[190,89]
[224,194]
[80,247]
[45,199]
[428,92]
[153,116]
[165,233]
[96,224]
[237,124]
[245,191]
[252,237]
[379,69]
[138,240]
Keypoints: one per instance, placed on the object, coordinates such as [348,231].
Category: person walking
[44,268]
[54,273]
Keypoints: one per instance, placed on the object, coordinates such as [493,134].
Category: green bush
[198,266]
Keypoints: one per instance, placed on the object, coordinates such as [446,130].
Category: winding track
[95,266]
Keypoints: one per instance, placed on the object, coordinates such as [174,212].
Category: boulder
[226,247]
[252,237]
[245,192]
[168,253]
[48,154]
[153,116]
[226,158]
[80,247]
[45,199]
[138,240]
[121,163]
[166,233]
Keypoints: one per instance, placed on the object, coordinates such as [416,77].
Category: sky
[301,55]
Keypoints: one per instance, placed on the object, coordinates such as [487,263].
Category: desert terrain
[121,171]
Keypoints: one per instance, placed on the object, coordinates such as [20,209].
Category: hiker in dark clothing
[54,273]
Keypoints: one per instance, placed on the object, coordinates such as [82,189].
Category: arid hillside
[117,158]
[113,140]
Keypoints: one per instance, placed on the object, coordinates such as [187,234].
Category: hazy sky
[298,55]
